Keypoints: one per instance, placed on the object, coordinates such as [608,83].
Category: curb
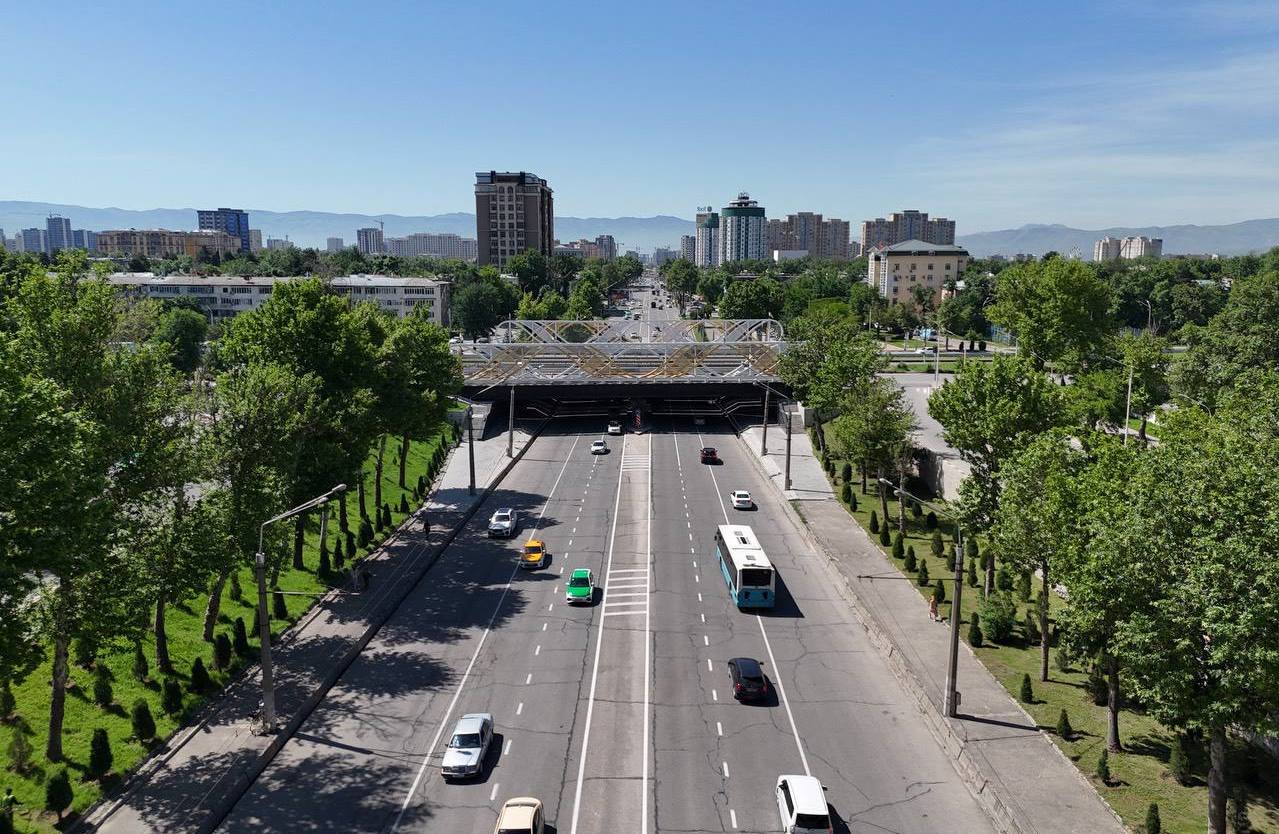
[1005,819]
[247,776]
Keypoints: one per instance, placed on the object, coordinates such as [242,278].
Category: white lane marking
[690,535]
[528,678]
[561,570]
[570,542]
[538,650]
[648,639]
[694,563]
[595,669]
[551,606]
[574,529]
[493,793]
[520,708]
[706,641]
[697,578]
[640,594]
[709,667]
[543,626]
[690,524]
[457,693]
[781,690]
[725,765]
[507,749]
[555,590]
[732,816]
[626,602]
[714,695]
[627,570]
[703,618]
[699,596]
[719,729]
[623,613]
[692,550]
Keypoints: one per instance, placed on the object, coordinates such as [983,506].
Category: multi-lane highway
[619,716]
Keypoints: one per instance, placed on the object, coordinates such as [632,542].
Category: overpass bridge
[561,361]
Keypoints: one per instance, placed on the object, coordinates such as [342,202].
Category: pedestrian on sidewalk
[932,609]
[8,804]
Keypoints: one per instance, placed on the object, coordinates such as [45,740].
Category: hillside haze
[1036,239]
[311,228]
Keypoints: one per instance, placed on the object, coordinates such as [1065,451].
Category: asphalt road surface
[618,715]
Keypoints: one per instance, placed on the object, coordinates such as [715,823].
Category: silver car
[465,754]
[503,522]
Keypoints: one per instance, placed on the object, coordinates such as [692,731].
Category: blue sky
[995,114]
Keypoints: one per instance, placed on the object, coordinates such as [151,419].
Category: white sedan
[614,427]
[599,447]
[741,500]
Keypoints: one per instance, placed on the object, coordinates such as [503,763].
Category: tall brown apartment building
[514,212]
[907,225]
[810,232]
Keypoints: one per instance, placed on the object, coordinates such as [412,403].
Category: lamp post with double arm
[951,704]
[267,724]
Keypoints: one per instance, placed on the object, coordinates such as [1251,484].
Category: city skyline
[1174,127]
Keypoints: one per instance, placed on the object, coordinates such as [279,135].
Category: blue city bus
[749,575]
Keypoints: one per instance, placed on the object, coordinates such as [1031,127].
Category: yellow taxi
[534,554]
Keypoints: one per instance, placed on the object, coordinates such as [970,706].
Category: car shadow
[784,604]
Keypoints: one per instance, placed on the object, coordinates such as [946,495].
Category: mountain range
[311,228]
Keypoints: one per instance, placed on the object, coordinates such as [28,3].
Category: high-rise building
[35,241]
[278,243]
[514,212]
[688,248]
[776,238]
[333,244]
[1128,248]
[810,233]
[234,222]
[742,234]
[369,241]
[161,243]
[255,240]
[907,225]
[81,239]
[424,244]
[607,247]
[57,234]
[662,255]
[834,238]
[706,248]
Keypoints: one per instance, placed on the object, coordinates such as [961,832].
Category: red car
[709,455]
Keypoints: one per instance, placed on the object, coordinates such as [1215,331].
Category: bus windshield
[756,577]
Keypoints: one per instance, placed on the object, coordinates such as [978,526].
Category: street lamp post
[951,695]
[267,724]
[788,430]
[470,447]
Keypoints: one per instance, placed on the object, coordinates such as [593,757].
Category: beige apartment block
[895,270]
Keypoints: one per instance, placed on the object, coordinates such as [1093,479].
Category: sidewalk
[1020,777]
[191,782]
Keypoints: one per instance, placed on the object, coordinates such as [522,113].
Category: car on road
[614,427]
[534,554]
[749,683]
[741,500]
[464,756]
[801,802]
[504,523]
[708,454]
[580,587]
[521,815]
[599,447]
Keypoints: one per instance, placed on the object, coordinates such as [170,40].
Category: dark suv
[709,455]
[749,683]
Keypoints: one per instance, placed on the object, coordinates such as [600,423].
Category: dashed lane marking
[520,708]
[493,793]
[528,679]
[725,765]
[732,816]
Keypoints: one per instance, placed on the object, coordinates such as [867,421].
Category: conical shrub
[103,695]
[200,680]
[1064,730]
[1027,694]
[239,638]
[171,696]
[57,793]
[923,573]
[142,721]
[221,652]
[899,546]
[1153,823]
[100,755]
[236,591]
[140,668]
[874,522]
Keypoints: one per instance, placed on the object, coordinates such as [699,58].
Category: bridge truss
[625,351]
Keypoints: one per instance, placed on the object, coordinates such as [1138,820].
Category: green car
[581,587]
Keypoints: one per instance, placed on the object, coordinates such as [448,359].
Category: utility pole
[763,440]
[786,481]
[510,426]
[470,447]
[1128,407]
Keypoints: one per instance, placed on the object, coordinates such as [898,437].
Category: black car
[749,683]
[709,455]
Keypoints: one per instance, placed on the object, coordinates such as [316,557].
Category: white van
[801,802]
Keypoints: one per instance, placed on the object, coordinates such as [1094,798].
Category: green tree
[479,307]
[1238,339]
[989,411]
[1058,309]
[183,331]
[142,721]
[100,756]
[874,427]
[758,298]
[57,793]
[681,280]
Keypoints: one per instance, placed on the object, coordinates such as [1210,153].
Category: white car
[521,815]
[504,523]
[465,754]
[614,427]
[741,499]
[599,447]
[801,802]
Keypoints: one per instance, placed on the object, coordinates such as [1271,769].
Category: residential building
[687,248]
[706,248]
[278,243]
[810,233]
[835,238]
[579,249]
[780,255]
[742,230]
[162,243]
[255,240]
[57,234]
[607,247]
[897,269]
[776,235]
[333,244]
[1106,249]
[854,249]
[4,241]
[905,226]
[514,212]
[662,255]
[1132,248]
[424,244]
[224,296]
[234,222]
[369,241]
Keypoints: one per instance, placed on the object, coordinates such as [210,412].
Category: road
[618,715]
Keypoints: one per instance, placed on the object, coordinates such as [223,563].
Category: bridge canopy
[619,351]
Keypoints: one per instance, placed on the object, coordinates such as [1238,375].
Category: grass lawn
[184,625]
[1139,775]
